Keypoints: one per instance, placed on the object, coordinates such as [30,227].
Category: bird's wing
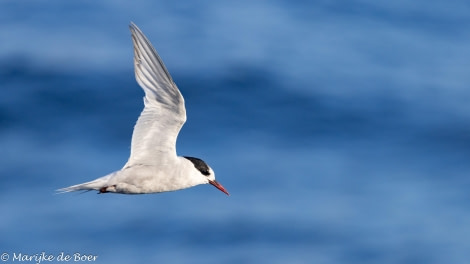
[164,113]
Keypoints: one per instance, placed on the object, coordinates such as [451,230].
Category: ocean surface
[340,129]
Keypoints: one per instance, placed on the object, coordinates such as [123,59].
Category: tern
[153,165]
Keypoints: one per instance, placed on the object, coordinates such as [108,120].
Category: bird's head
[205,173]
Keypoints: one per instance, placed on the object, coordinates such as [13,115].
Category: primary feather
[154,130]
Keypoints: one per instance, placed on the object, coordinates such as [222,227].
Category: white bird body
[153,165]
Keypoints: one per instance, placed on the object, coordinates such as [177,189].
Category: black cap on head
[200,165]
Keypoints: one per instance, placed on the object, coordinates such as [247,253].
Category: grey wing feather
[164,114]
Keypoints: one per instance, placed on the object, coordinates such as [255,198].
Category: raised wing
[164,114]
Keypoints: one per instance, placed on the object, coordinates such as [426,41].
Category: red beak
[218,186]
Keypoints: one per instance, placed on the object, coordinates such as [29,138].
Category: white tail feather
[87,186]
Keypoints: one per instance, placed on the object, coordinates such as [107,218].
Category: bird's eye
[200,165]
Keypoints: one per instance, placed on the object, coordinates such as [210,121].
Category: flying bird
[153,165]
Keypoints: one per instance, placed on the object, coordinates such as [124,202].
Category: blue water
[341,130]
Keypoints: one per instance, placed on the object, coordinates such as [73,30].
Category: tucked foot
[105,189]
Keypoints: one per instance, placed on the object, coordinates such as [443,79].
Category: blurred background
[341,130]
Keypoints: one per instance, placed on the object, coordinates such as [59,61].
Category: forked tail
[97,185]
